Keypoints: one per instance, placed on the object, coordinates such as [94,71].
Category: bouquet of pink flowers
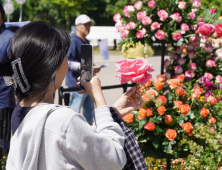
[157,21]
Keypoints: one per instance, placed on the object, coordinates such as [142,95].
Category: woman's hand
[128,102]
[93,88]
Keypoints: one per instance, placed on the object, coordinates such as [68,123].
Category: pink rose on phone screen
[134,70]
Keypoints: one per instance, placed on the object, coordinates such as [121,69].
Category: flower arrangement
[157,21]
[201,57]
[176,117]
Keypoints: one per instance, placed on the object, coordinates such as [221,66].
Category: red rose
[218,29]
[149,126]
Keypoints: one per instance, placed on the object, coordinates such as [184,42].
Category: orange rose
[187,127]
[180,92]
[161,110]
[171,134]
[163,99]
[149,112]
[174,83]
[184,109]
[181,78]
[158,85]
[129,118]
[149,126]
[212,120]
[198,89]
[168,119]
[161,78]
[150,94]
[142,113]
[212,100]
[204,112]
[148,83]
[177,103]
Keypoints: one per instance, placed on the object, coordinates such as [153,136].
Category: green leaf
[153,38]
[156,142]
[165,143]
[216,22]
[169,147]
[181,122]
[157,130]
[142,123]
[148,152]
[150,136]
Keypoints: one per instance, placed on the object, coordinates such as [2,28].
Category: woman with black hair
[50,136]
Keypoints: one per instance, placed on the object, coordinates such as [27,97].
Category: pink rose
[141,33]
[209,49]
[193,66]
[140,15]
[178,50]
[176,17]
[124,33]
[134,70]
[162,14]
[190,46]
[192,15]
[210,63]
[127,10]
[201,19]
[119,26]
[196,4]
[181,61]
[182,5]
[160,34]
[191,54]
[194,27]
[189,74]
[218,52]
[212,11]
[205,29]
[167,75]
[196,47]
[116,17]
[184,27]
[173,56]
[218,79]
[177,36]
[209,76]
[130,26]
[178,70]
[155,26]
[194,10]
[152,4]
[193,39]
[167,63]
[147,21]
[138,5]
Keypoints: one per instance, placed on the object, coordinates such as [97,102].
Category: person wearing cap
[83,24]
[7,99]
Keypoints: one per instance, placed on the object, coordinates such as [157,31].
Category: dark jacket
[7,99]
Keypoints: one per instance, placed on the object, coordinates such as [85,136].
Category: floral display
[158,21]
[176,117]
[182,110]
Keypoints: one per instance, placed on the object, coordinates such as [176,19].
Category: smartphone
[86,71]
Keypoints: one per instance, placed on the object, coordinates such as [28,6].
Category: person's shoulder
[8,33]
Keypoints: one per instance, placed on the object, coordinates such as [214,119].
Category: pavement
[108,77]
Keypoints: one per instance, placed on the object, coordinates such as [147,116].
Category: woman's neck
[34,102]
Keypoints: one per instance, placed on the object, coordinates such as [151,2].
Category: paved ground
[108,77]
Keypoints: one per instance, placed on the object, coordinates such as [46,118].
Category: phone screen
[86,72]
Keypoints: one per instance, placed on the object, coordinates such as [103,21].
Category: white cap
[82,19]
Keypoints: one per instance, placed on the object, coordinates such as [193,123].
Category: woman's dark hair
[42,49]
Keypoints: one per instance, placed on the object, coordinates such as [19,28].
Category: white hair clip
[16,79]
